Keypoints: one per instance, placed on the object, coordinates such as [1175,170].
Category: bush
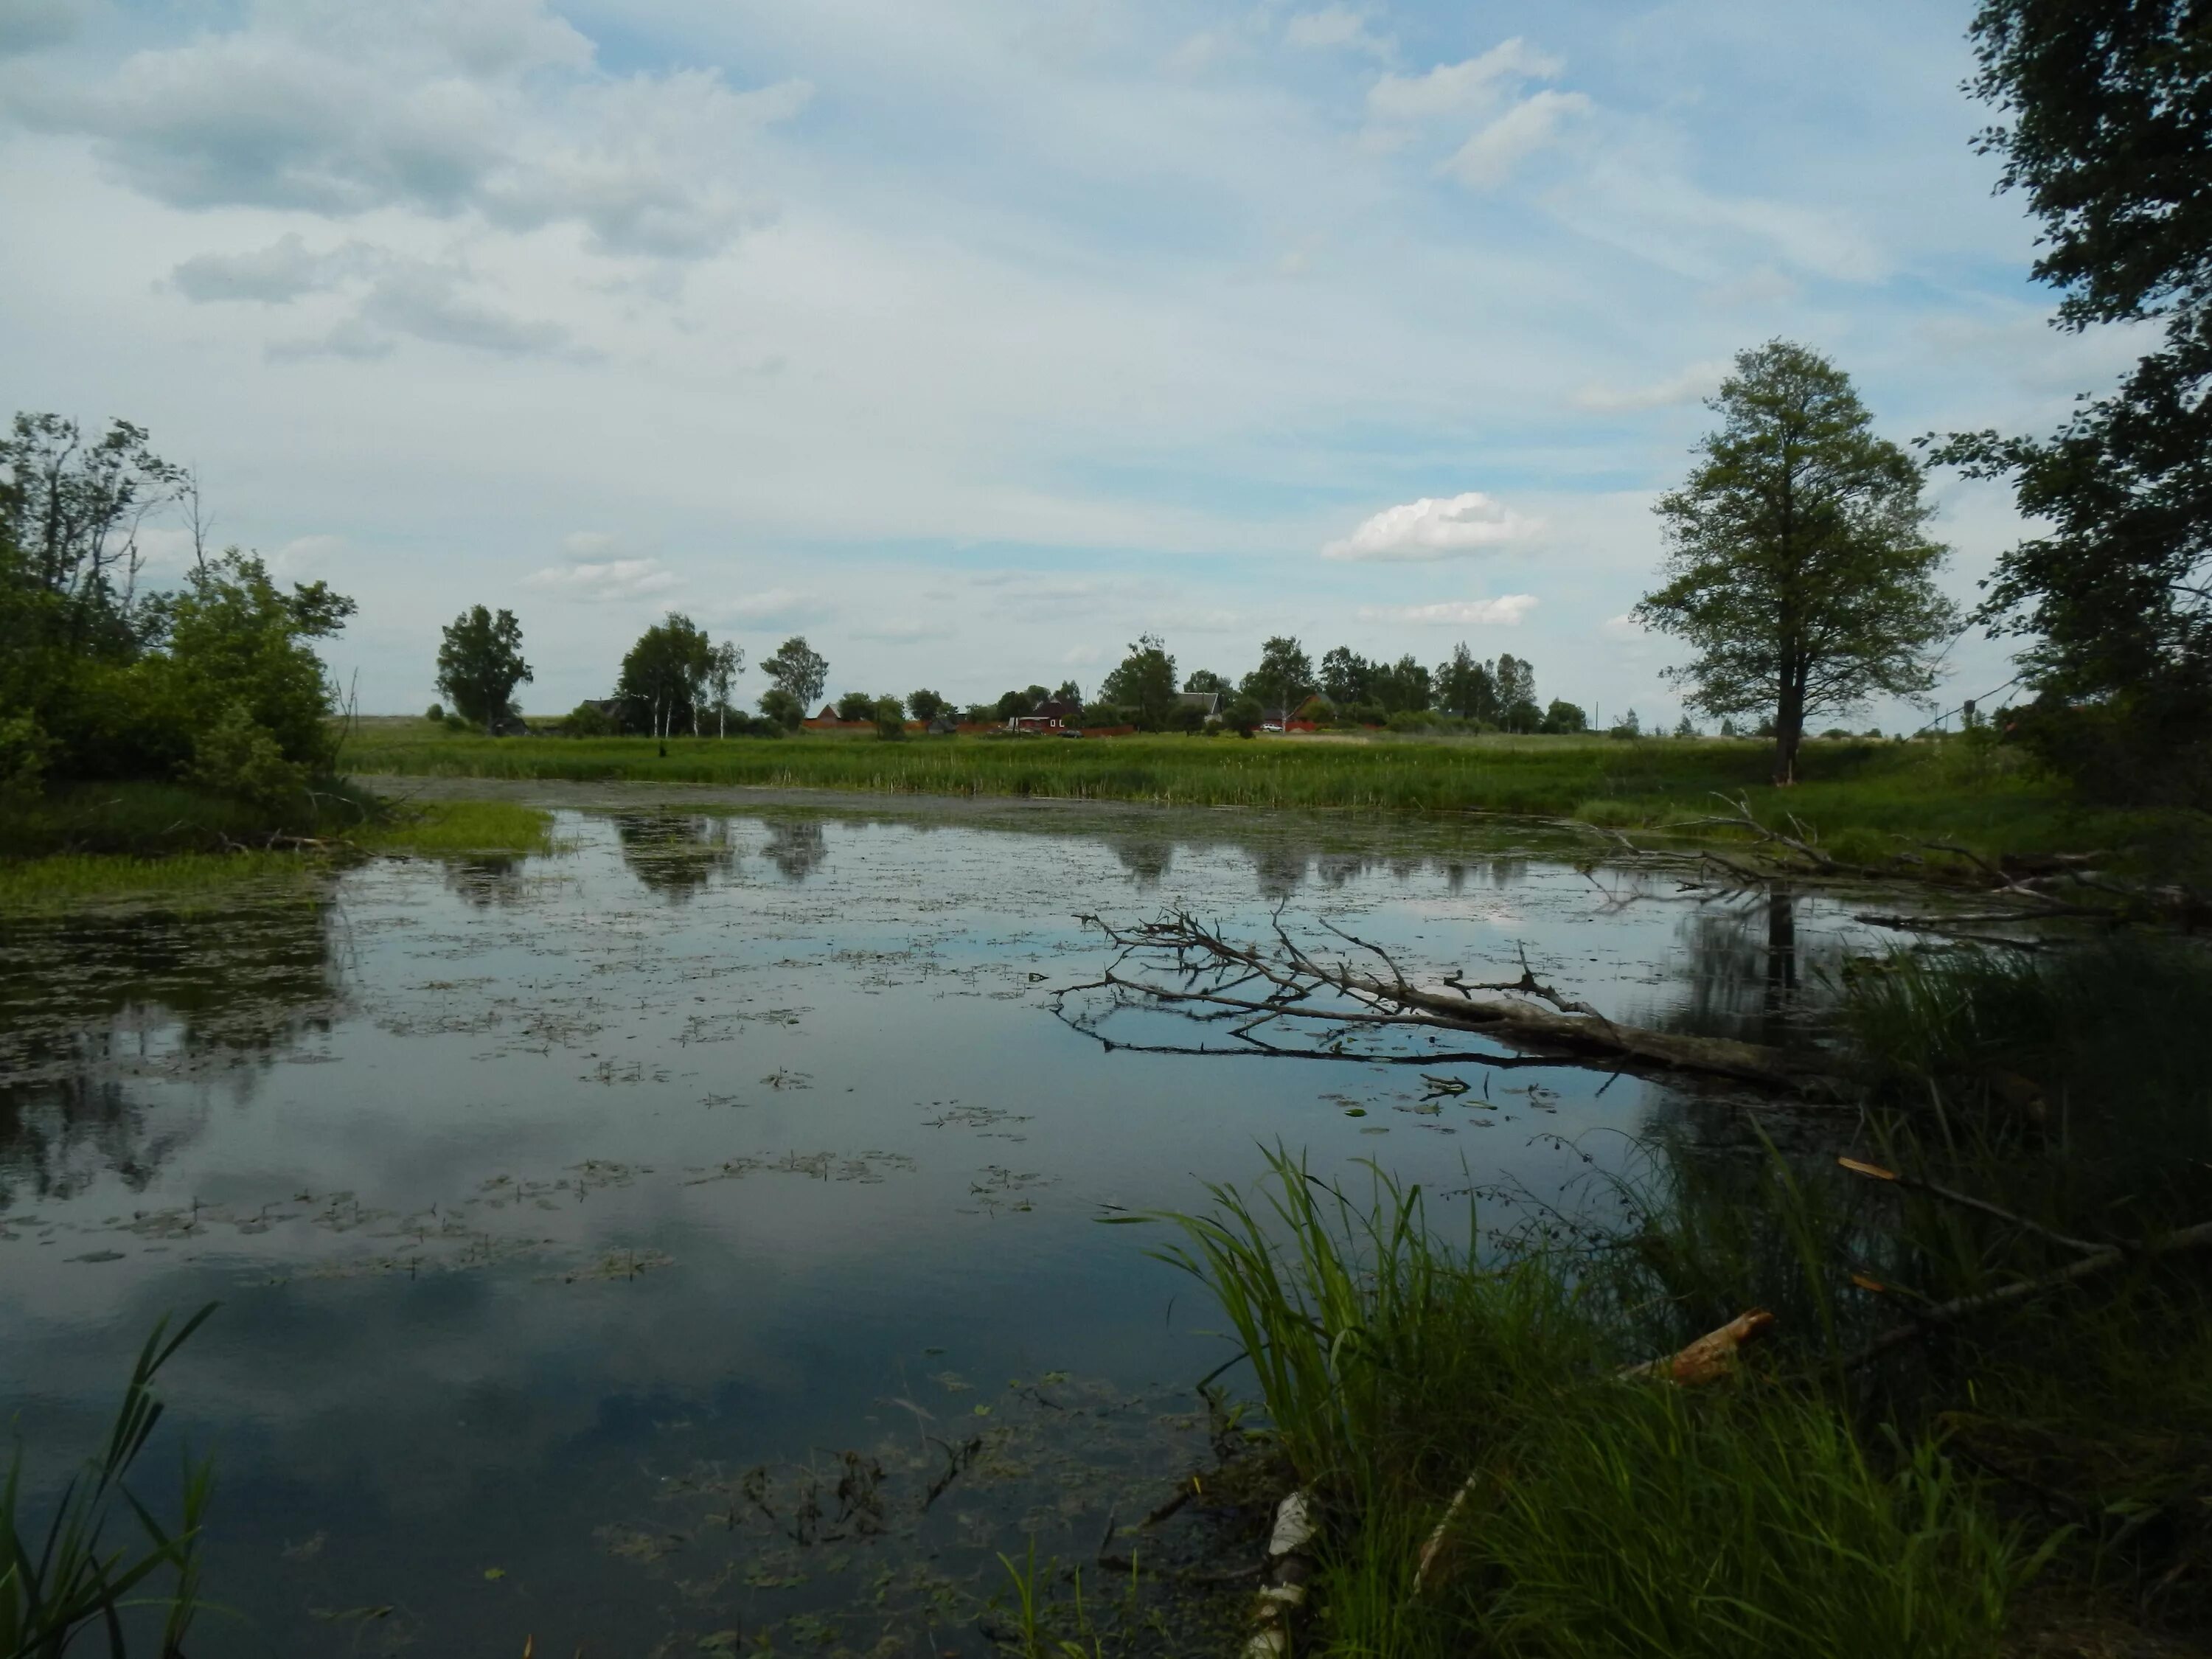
[890,719]
[856,705]
[1187,719]
[24,748]
[241,759]
[588,720]
[779,708]
[435,714]
[1243,716]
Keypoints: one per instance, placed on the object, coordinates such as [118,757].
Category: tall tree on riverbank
[1799,566]
[2106,107]
[480,664]
[667,672]
[798,670]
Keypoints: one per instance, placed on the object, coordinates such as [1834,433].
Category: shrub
[779,707]
[435,714]
[24,748]
[237,757]
[889,718]
[588,720]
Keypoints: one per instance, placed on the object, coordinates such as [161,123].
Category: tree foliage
[1285,677]
[1143,684]
[480,664]
[2106,125]
[799,670]
[1799,566]
[216,681]
[664,675]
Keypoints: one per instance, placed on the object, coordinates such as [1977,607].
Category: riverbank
[1971,1417]
[1868,800]
[184,849]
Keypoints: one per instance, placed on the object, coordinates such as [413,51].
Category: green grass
[181,881]
[467,826]
[1808,1506]
[1861,796]
[165,845]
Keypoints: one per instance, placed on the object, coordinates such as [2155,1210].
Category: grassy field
[1860,796]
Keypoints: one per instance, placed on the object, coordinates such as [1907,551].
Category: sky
[973,339]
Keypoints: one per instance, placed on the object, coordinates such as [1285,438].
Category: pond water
[688,1240]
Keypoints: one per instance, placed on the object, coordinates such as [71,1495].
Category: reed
[73,1580]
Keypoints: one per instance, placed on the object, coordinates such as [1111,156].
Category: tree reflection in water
[677,854]
[1749,974]
[94,1011]
[796,846]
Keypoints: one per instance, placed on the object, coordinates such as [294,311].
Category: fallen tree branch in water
[1285,1002]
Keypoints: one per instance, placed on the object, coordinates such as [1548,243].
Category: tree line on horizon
[676,679]
[1799,569]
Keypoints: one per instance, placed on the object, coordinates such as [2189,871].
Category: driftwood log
[1285,999]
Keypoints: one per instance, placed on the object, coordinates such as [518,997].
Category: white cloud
[442,107]
[1697,381]
[600,581]
[275,275]
[1623,626]
[1334,27]
[1503,612]
[412,299]
[1450,527]
[776,607]
[1487,159]
[1459,88]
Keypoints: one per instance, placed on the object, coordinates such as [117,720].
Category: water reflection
[1750,974]
[796,846]
[677,854]
[94,1010]
[487,880]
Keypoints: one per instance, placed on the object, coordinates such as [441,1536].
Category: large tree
[480,664]
[667,672]
[1799,566]
[1464,685]
[724,662]
[1145,681]
[1284,677]
[799,670]
[2106,125]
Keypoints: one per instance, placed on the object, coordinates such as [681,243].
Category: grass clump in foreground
[2041,1464]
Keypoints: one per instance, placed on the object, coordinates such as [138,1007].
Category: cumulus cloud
[1487,159]
[1623,626]
[1450,527]
[1697,381]
[1471,87]
[601,581]
[1336,27]
[775,607]
[275,275]
[1503,612]
[418,300]
[443,107]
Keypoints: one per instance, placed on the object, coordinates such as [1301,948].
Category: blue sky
[974,338]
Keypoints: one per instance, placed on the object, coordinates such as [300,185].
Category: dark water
[583,1225]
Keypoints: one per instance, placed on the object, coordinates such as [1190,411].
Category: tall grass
[1814,1504]
[1876,790]
[464,826]
[1611,1518]
[72,1579]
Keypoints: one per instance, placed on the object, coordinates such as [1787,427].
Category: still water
[688,1240]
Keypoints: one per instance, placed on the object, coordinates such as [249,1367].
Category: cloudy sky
[972,338]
